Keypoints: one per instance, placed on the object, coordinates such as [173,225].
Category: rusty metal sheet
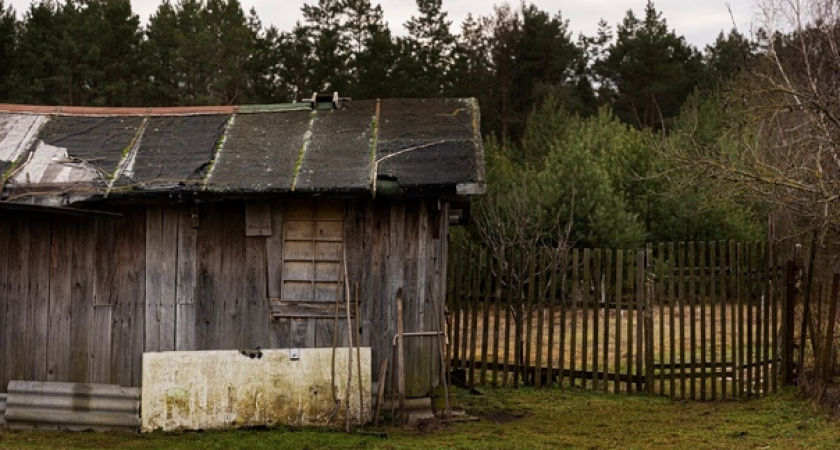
[260,152]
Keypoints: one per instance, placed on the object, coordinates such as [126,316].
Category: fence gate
[685,320]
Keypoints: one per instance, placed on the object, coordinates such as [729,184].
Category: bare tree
[783,145]
[526,242]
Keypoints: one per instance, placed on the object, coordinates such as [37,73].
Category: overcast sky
[699,21]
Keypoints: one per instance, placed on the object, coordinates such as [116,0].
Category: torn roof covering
[429,147]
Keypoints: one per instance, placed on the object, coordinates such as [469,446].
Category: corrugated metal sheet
[2,410]
[72,406]
[58,156]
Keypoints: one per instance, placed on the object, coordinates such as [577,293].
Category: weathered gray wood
[187,276]
[302,332]
[81,294]
[169,287]
[37,323]
[258,218]
[210,235]
[280,309]
[99,364]
[128,314]
[161,277]
[274,251]
[5,271]
[18,293]
[232,324]
[106,267]
[154,277]
[256,319]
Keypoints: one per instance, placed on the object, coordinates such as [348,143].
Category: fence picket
[596,312]
[473,308]
[701,304]
[724,302]
[694,320]
[497,307]
[713,302]
[605,301]
[552,301]
[538,375]
[586,296]
[485,318]
[619,314]
[631,281]
[573,312]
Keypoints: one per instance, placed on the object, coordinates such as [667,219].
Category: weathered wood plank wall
[81,298]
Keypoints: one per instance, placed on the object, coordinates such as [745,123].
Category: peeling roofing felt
[63,155]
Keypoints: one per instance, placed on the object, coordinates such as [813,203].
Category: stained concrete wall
[218,389]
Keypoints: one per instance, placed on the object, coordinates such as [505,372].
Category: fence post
[788,323]
[827,353]
[648,317]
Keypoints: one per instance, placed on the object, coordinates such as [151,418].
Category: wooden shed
[125,231]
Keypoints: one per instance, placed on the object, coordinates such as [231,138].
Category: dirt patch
[827,395]
[429,425]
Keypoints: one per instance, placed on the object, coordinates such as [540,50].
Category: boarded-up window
[312,250]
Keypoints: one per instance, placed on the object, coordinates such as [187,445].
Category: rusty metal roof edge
[116,111]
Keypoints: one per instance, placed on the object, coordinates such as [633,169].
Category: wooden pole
[400,356]
[648,317]
[359,359]
[380,392]
[350,344]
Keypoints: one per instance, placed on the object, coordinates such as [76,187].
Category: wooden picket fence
[686,320]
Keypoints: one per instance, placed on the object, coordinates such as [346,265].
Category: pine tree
[8,50]
[649,71]
[36,75]
[425,57]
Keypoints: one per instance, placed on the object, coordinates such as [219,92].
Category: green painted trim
[275,107]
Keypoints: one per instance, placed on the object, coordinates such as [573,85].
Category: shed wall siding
[82,298]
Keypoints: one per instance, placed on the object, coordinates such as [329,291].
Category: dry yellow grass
[596,340]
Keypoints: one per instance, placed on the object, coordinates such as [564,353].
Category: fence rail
[686,320]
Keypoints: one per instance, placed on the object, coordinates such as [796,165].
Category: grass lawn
[521,418]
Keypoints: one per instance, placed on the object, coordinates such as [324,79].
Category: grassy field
[521,418]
